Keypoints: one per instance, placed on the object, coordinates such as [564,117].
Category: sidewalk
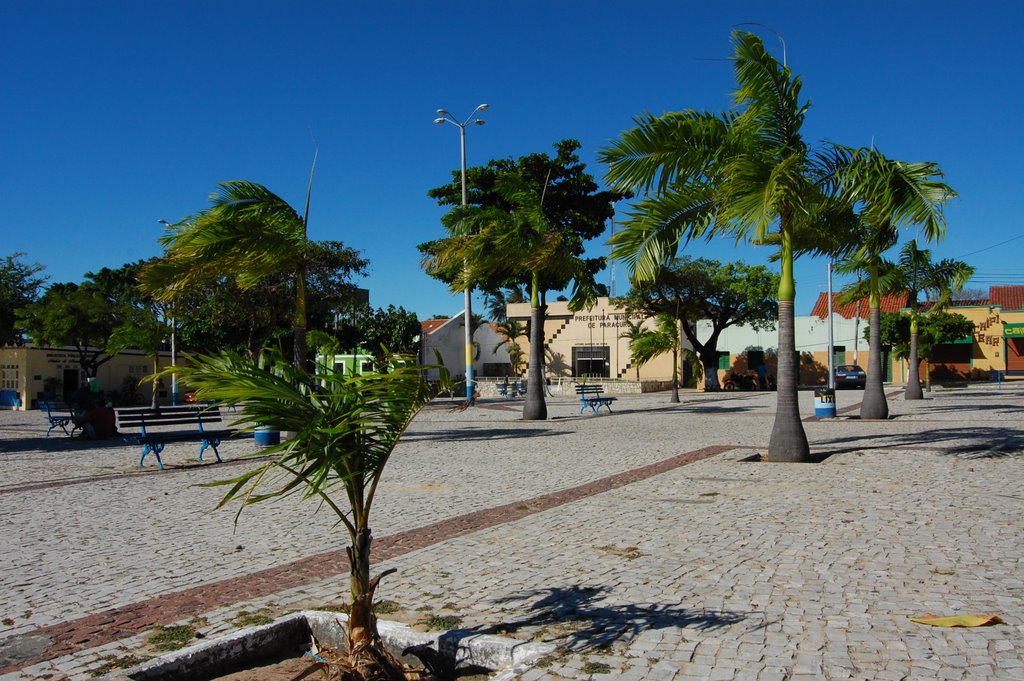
[640,541]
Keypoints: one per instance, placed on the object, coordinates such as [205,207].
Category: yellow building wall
[988,352]
[601,326]
[32,371]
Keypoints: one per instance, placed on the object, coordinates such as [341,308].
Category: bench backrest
[148,417]
[591,389]
[50,407]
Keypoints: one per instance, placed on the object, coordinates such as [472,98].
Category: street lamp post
[445,117]
[174,349]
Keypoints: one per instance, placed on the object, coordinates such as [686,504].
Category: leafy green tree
[390,330]
[144,329]
[538,212]
[72,315]
[344,432]
[220,314]
[248,231]
[691,290]
[748,173]
[501,244]
[888,194]
[19,288]
[934,329]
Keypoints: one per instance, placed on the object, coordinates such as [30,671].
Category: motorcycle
[747,382]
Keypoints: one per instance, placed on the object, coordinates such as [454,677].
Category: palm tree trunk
[534,406]
[366,652]
[874,405]
[913,391]
[788,442]
[300,351]
[675,376]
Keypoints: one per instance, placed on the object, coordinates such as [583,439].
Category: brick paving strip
[120,623]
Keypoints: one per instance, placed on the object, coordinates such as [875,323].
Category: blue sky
[117,114]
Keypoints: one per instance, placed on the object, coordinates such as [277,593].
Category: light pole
[174,349]
[445,117]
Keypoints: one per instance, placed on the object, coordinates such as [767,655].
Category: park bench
[60,415]
[591,395]
[191,424]
[511,389]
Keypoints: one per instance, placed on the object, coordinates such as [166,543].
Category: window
[724,362]
[9,377]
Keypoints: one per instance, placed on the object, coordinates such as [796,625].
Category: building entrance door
[70,383]
[591,361]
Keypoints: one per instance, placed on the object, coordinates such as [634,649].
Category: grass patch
[386,607]
[596,668]
[244,618]
[166,639]
[440,622]
[8,622]
[114,663]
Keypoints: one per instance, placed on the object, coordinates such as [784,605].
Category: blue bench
[511,389]
[592,395]
[59,415]
[152,436]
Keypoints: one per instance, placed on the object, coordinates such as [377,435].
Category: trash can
[825,403]
[267,437]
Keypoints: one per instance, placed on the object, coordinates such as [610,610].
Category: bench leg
[212,442]
[156,449]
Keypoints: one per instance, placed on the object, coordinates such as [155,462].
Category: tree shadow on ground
[580,617]
[475,434]
[959,408]
[56,444]
[975,442]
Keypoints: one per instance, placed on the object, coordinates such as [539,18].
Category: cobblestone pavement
[641,542]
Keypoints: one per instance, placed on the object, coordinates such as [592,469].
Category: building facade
[29,374]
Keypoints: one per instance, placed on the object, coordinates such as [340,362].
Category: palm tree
[511,243]
[746,172]
[634,330]
[888,194]
[915,272]
[645,345]
[248,232]
[345,430]
[511,329]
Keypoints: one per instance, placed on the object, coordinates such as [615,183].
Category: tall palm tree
[512,243]
[746,172]
[887,194]
[345,430]
[249,233]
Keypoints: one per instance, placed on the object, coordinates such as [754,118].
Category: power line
[989,248]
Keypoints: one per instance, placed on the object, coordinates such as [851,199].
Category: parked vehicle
[850,376]
[735,381]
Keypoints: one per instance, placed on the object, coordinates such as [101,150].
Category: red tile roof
[893,302]
[432,325]
[1007,297]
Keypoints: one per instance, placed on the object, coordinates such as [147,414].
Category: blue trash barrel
[265,437]
[825,403]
